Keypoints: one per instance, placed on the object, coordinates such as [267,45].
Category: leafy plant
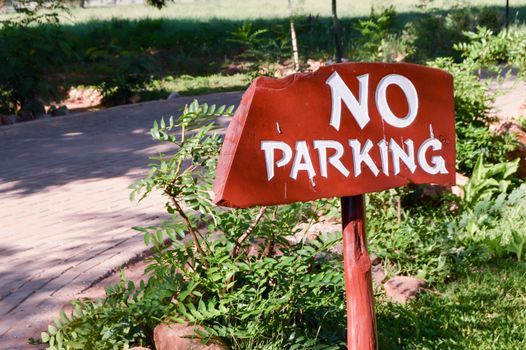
[372,34]
[487,50]
[26,52]
[484,48]
[398,47]
[494,227]
[492,223]
[378,40]
[126,316]
[246,301]
[418,244]
[472,104]
[262,46]
[245,283]
[126,73]
[487,181]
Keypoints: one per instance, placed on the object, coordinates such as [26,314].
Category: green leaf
[51,330]
[212,109]
[44,337]
[229,110]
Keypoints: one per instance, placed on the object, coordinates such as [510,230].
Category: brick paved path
[65,216]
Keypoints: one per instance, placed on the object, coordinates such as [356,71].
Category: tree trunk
[337,33]
[507,15]
[295,56]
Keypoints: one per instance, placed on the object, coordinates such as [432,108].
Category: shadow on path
[109,143]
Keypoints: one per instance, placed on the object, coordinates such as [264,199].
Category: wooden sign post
[361,323]
[342,131]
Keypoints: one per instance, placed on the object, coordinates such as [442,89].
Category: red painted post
[361,323]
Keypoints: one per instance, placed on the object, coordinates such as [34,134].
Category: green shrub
[488,180]
[126,316]
[278,296]
[262,46]
[472,104]
[31,42]
[25,55]
[487,50]
[418,245]
[493,222]
[377,39]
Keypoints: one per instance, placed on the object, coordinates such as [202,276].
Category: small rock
[26,116]
[51,109]
[314,65]
[174,95]
[374,259]
[460,181]
[60,111]
[34,108]
[9,119]
[181,337]
[232,69]
[520,152]
[135,98]
[401,289]
[378,274]
[307,232]
[82,98]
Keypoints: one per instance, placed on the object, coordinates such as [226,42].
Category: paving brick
[65,216]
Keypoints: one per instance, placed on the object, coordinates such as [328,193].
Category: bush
[472,104]
[418,245]
[495,227]
[279,296]
[377,39]
[28,51]
[492,224]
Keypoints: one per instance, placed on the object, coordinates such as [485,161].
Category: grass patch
[187,85]
[483,309]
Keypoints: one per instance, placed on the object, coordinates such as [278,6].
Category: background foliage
[132,51]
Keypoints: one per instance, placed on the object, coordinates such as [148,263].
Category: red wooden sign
[343,130]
